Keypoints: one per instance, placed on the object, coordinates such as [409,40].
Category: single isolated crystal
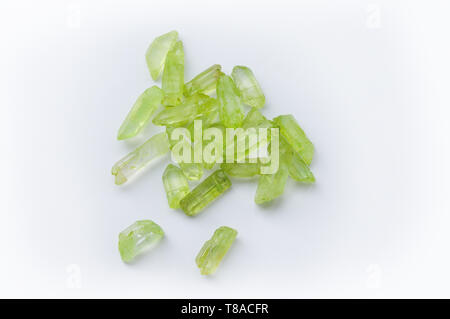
[173,76]
[205,82]
[295,136]
[230,105]
[157,52]
[214,249]
[249,88]
[138,238]
[175,184]
[242,170]
[205,192]
[129,165]
[140,114]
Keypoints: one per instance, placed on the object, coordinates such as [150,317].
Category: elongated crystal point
[214,249]
[140,114]
[255,119]
[138,238]
[247,85]
[205,192]
[205,82]
[129,165]
[295,137]
[157,52]
[298,170]
[173,76]
[175,185]
[230,105]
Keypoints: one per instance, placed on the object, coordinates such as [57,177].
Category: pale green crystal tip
[157,52]
[213,251]
[230,104]
[175,184]
[247,85]
[138,238]
[205,192]
[173,76]
[205,82]
[140,114]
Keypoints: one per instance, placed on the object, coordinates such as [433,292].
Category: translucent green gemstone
[129,165]
[140,114]
[205,192]
[249,88]
[254,118]
[230,105]
[157,52]
[214,249]
[297,168]
[175,184]
[173,76]
[181,115]
[205,82]
[192,171]
[295,136]
[243,170]
[138,238]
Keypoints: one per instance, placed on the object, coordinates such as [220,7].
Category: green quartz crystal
[297,168]
[138,238]
[295,136]
[205,82]
[242,170]
[205,192]
[181,115]
[129,165]
[173,76]
[255,119]
[214,249]
[175,184]
[140,114]
[157,52]
[230,105]
[249,88]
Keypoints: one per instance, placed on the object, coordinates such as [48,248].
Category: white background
[367,80]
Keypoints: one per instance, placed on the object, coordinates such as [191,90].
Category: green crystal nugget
[173,75]
[175,184]
[249,88]
[230,105]
[205,82]
[140,114]
[205,192]
[138,238]
[214,249]
[157,52]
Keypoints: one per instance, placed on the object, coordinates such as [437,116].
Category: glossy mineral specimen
[173,76]
[128,166]
[140,114]
[255,119]
[157,52]
[295,136]
[181,115]
[214,249]
[242,170]
[299,171]
[205,82]
[230,105]
[249,88]
[138,238]
[205,192]
[175,184]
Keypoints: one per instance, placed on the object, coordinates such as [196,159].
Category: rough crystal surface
[230,105]
[129,165]
[298,170]
[205,82]
[214,249]
[295,136]
[140,114]
[247,85]
[205,192]
[157,52]
[175,185]
[173,76]
[138,238]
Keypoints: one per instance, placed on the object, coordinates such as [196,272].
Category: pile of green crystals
[219,101]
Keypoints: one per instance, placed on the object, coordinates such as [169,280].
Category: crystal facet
[242,170]
[214,249]
[297,168]
[157,52]
[249,88]
[230,105]
[295,136]
[138,238]
[140,114]
[173,76]
[205,192]
[129,165]
[205,82]
[175,184]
